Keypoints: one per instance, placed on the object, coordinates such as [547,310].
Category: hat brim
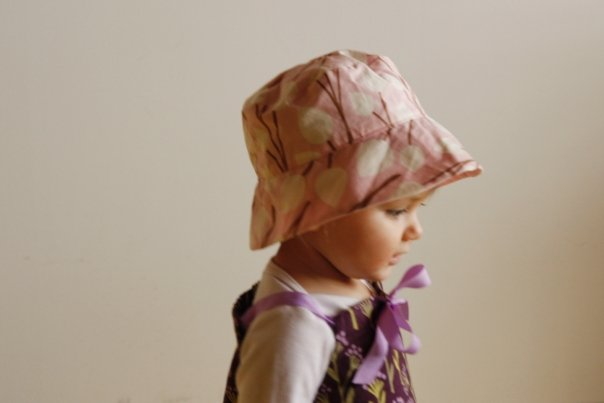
[410,158]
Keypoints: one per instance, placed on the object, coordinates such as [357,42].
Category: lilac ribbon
[289,298]
[395,316]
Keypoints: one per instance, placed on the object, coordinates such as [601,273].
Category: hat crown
[315,108]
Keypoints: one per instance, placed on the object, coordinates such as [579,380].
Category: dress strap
[285,298]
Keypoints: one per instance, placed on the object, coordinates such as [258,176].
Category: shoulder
[288,327]
[284,356]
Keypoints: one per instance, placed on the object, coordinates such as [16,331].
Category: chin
[381,274]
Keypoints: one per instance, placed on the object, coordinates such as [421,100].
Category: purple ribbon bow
[392,319]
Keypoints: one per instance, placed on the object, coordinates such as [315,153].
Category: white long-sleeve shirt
[286,350]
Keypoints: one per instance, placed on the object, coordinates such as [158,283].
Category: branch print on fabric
[278,155]
[336,98]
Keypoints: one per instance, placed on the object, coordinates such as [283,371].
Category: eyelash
[396,213]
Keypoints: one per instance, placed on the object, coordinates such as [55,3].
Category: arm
[284,357]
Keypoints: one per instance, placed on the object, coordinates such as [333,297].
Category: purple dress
[368,362]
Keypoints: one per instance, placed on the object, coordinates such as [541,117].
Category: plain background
[125,191]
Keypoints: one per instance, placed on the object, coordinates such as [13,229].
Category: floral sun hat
[339,133]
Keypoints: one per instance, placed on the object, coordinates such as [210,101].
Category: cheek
[372,238]
[348,241]
[363,235]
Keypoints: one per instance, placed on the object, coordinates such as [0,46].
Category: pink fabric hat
[337,134]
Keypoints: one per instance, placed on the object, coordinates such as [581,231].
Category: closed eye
[396,212]
[399,212]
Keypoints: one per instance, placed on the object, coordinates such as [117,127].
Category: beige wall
[125,191]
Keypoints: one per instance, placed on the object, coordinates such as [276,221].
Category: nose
[413,231]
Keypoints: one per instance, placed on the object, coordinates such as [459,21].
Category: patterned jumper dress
[368,363]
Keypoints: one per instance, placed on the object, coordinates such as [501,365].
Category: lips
[395,258]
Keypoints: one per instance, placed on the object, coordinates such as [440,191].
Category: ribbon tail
[373,361]
[414,343]
[415,277]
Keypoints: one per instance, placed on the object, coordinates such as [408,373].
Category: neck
[314,271]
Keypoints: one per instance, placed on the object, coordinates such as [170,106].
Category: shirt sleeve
[284,357]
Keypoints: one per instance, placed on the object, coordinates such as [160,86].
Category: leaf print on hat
[291,193]
[362,104]
[403,113]
[330,185]
[407,189]
[373,157]
[450,145]
[306,156]
[431,144]
[285,95]
[256,138]
[372,81]
[412,157]
[262,222]
[257,97]
[316,126]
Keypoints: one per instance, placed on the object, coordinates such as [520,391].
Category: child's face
[367,244]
